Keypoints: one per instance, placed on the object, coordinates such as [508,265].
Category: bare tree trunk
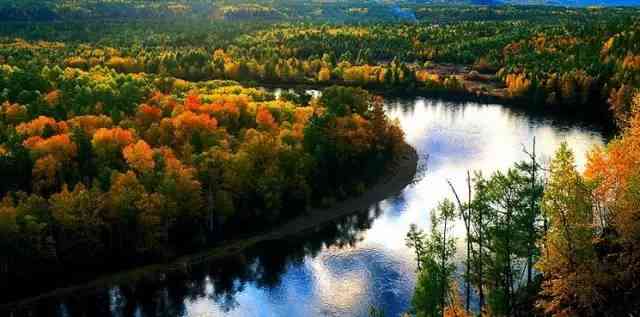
[480,263]
[468,227]
[442,263]
[532,206]
[508,268]
[466,217]
[508,273]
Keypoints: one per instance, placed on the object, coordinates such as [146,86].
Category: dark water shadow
[163,293]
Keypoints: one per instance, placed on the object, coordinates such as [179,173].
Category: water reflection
[225,284]
[360,261]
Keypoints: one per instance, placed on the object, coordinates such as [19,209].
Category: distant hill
[564,3]
[277,10]
[577,3]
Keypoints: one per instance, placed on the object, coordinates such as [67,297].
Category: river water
[359,262]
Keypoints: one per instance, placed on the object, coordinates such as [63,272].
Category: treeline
[352,11]
[61,10]
[99,166]
[487,10]
[227,10]
[575,66]
[562,245]
[198,63]
[576,60]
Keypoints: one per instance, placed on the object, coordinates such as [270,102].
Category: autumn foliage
[591,249]
[139,156]
[130,142]
[113,181]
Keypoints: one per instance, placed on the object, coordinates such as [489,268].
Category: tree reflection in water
[220,280]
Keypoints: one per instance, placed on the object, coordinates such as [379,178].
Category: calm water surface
[361,261]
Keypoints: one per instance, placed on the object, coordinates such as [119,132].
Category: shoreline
[396,177]
[469,93]
[589,116]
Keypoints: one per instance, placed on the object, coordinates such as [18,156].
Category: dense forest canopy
[137,142]
[290,10]
[564,58]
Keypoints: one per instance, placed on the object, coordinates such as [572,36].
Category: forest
[564,244]
[107,164]
[563,60]
[135,131]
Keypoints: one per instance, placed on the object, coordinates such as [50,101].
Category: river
[359,262]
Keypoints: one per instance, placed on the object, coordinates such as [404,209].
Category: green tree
[505,221]
[567,258]
[342,101]
[435,257]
